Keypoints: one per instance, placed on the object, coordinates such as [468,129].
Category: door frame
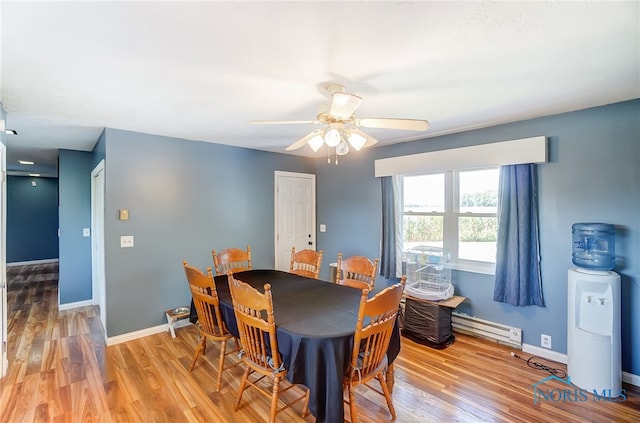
[98,278]
[278,174]
[4,362]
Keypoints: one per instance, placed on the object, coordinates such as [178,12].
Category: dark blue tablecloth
[315,322]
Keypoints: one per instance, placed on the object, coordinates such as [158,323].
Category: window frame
[450,218]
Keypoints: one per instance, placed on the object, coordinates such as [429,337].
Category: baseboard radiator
[494,331]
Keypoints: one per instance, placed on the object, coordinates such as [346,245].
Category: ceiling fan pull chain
[328,155]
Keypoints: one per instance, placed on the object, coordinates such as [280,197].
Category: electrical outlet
[545,341]
[126,241]
[515,335]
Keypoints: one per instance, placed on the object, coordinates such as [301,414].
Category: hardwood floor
[61,371]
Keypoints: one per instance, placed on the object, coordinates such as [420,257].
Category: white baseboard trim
[627,377]
[24,263]
[130,336]
[631,379]
[545,353]
[69,306]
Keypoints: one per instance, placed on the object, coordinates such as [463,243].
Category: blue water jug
[594,246]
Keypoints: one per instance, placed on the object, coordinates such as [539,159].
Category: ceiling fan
[341,127]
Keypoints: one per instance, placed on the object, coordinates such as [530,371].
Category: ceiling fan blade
[282,122]
[303,141]
[369,139]
[391,123]
[343,105]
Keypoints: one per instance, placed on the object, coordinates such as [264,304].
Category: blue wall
[74,173]
[32,219]
[592,175]
[184,199]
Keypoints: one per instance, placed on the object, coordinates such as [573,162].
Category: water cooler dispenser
[593,332]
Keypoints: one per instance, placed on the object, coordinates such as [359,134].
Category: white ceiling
[202,70]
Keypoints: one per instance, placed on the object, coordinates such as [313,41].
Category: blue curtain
[518,280]
[388,252]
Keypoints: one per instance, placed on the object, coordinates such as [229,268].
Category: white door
[295,215]
[3,263]
[97,242]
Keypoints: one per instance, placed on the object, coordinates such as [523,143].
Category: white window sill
[475,267]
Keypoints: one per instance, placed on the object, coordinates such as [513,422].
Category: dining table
[315,322]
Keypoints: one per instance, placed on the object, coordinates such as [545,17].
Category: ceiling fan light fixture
[341,128]
[343,105]
[357,141]
[316,142]
[332,137]
[342,148]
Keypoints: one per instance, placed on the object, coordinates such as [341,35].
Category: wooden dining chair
[376,318]
[257,329]
[306,263]
[210,324]
[231,260]
[357,271]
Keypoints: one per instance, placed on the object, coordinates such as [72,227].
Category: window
[453,212]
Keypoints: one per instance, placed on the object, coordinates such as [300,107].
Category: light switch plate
[126,241]
[323,227]
[123,214]
[86,232]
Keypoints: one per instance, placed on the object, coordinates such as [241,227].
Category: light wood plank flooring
[61,371]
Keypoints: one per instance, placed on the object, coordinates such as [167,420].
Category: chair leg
[243,386]
[223,350]
[387,395]
[199,348]
[390,377]
[352,404]
[274,399]
[305,409]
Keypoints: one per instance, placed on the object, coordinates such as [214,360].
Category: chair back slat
[306,263]
[357,271]
[208,317]
[231,260]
